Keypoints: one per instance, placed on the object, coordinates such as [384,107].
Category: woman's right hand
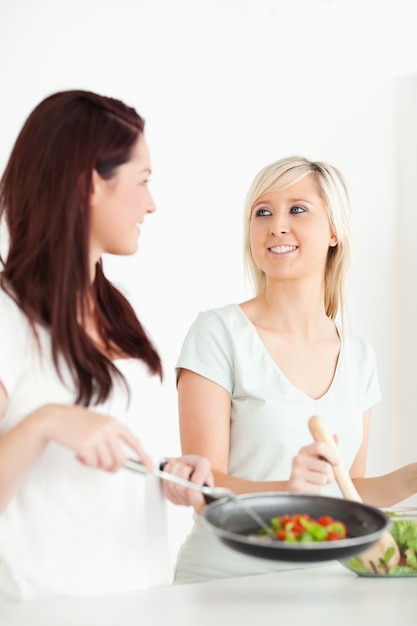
[97,440]
[312,468]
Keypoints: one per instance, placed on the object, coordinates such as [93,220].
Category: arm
[386,490]
[358,467]
[389,489]
[95,439]
[204,414]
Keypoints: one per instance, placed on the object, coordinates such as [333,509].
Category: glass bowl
[403,528]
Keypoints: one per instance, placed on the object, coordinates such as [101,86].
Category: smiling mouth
[283,249]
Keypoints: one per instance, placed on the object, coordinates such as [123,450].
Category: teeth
[282,249]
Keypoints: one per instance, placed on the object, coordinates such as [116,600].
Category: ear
[333,241]
[96,187]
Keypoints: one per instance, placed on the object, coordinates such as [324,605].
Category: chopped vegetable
[302,528]
[404,531]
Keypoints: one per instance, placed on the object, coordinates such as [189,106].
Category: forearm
[311,470]
[389,489]
[96,440]
[241,485]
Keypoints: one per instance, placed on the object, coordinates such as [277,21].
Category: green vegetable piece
[401,570]
[356,564]
[411,558]
[338,528]
[317,531]
[388,554]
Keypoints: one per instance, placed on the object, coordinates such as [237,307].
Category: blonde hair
[333,191]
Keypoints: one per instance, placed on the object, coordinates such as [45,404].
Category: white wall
[406,254]
[227,86]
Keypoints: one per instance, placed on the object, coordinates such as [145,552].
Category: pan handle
[207,497]
[210,493]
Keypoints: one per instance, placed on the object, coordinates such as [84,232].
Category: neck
[293,308]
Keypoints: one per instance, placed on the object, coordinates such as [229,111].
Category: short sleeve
[207,350]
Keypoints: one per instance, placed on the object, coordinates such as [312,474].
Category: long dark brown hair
[44,198]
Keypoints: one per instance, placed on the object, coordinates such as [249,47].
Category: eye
[297,209]
[262,212]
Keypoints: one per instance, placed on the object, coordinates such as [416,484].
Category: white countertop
[328,594]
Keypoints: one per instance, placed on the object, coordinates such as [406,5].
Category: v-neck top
[268,421]
[269,415]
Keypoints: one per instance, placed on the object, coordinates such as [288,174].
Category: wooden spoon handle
[320,432]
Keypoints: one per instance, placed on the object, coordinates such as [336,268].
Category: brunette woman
[79,376]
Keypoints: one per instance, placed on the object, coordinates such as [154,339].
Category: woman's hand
[191,467]
[97,440]
[312,468]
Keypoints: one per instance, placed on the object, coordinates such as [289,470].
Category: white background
[227,86]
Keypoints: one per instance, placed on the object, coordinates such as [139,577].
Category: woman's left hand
[191,467]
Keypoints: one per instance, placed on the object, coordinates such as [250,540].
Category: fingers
[97,440]
[109,456]
[176,493]
[201,469]
[312,468]
[193,468]
[323,451]
[133,442]
[103,447]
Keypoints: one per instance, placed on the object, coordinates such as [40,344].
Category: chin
[130,251]
[126,251]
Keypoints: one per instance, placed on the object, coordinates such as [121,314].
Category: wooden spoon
[371,558]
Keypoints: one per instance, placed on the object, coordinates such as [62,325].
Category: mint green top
[269,415]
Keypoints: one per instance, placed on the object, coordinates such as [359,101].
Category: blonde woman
[251,375]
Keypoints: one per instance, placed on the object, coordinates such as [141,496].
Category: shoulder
[218,319]
[223,313]
[222,331]
[208,346]
[212,330]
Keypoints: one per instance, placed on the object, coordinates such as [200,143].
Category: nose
[279,225]
[151,206]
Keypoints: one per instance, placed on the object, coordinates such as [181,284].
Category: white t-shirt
[71,529]
[269,418]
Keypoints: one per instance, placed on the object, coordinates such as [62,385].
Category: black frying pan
[233,520]
[232,525]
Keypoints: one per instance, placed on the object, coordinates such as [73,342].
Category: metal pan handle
[210,493]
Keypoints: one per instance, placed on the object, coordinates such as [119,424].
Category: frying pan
[236,519]
[230,523]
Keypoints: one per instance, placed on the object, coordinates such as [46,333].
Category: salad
[302,528]
[404,531]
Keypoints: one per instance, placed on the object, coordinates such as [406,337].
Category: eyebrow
[300,200]
[290,201]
